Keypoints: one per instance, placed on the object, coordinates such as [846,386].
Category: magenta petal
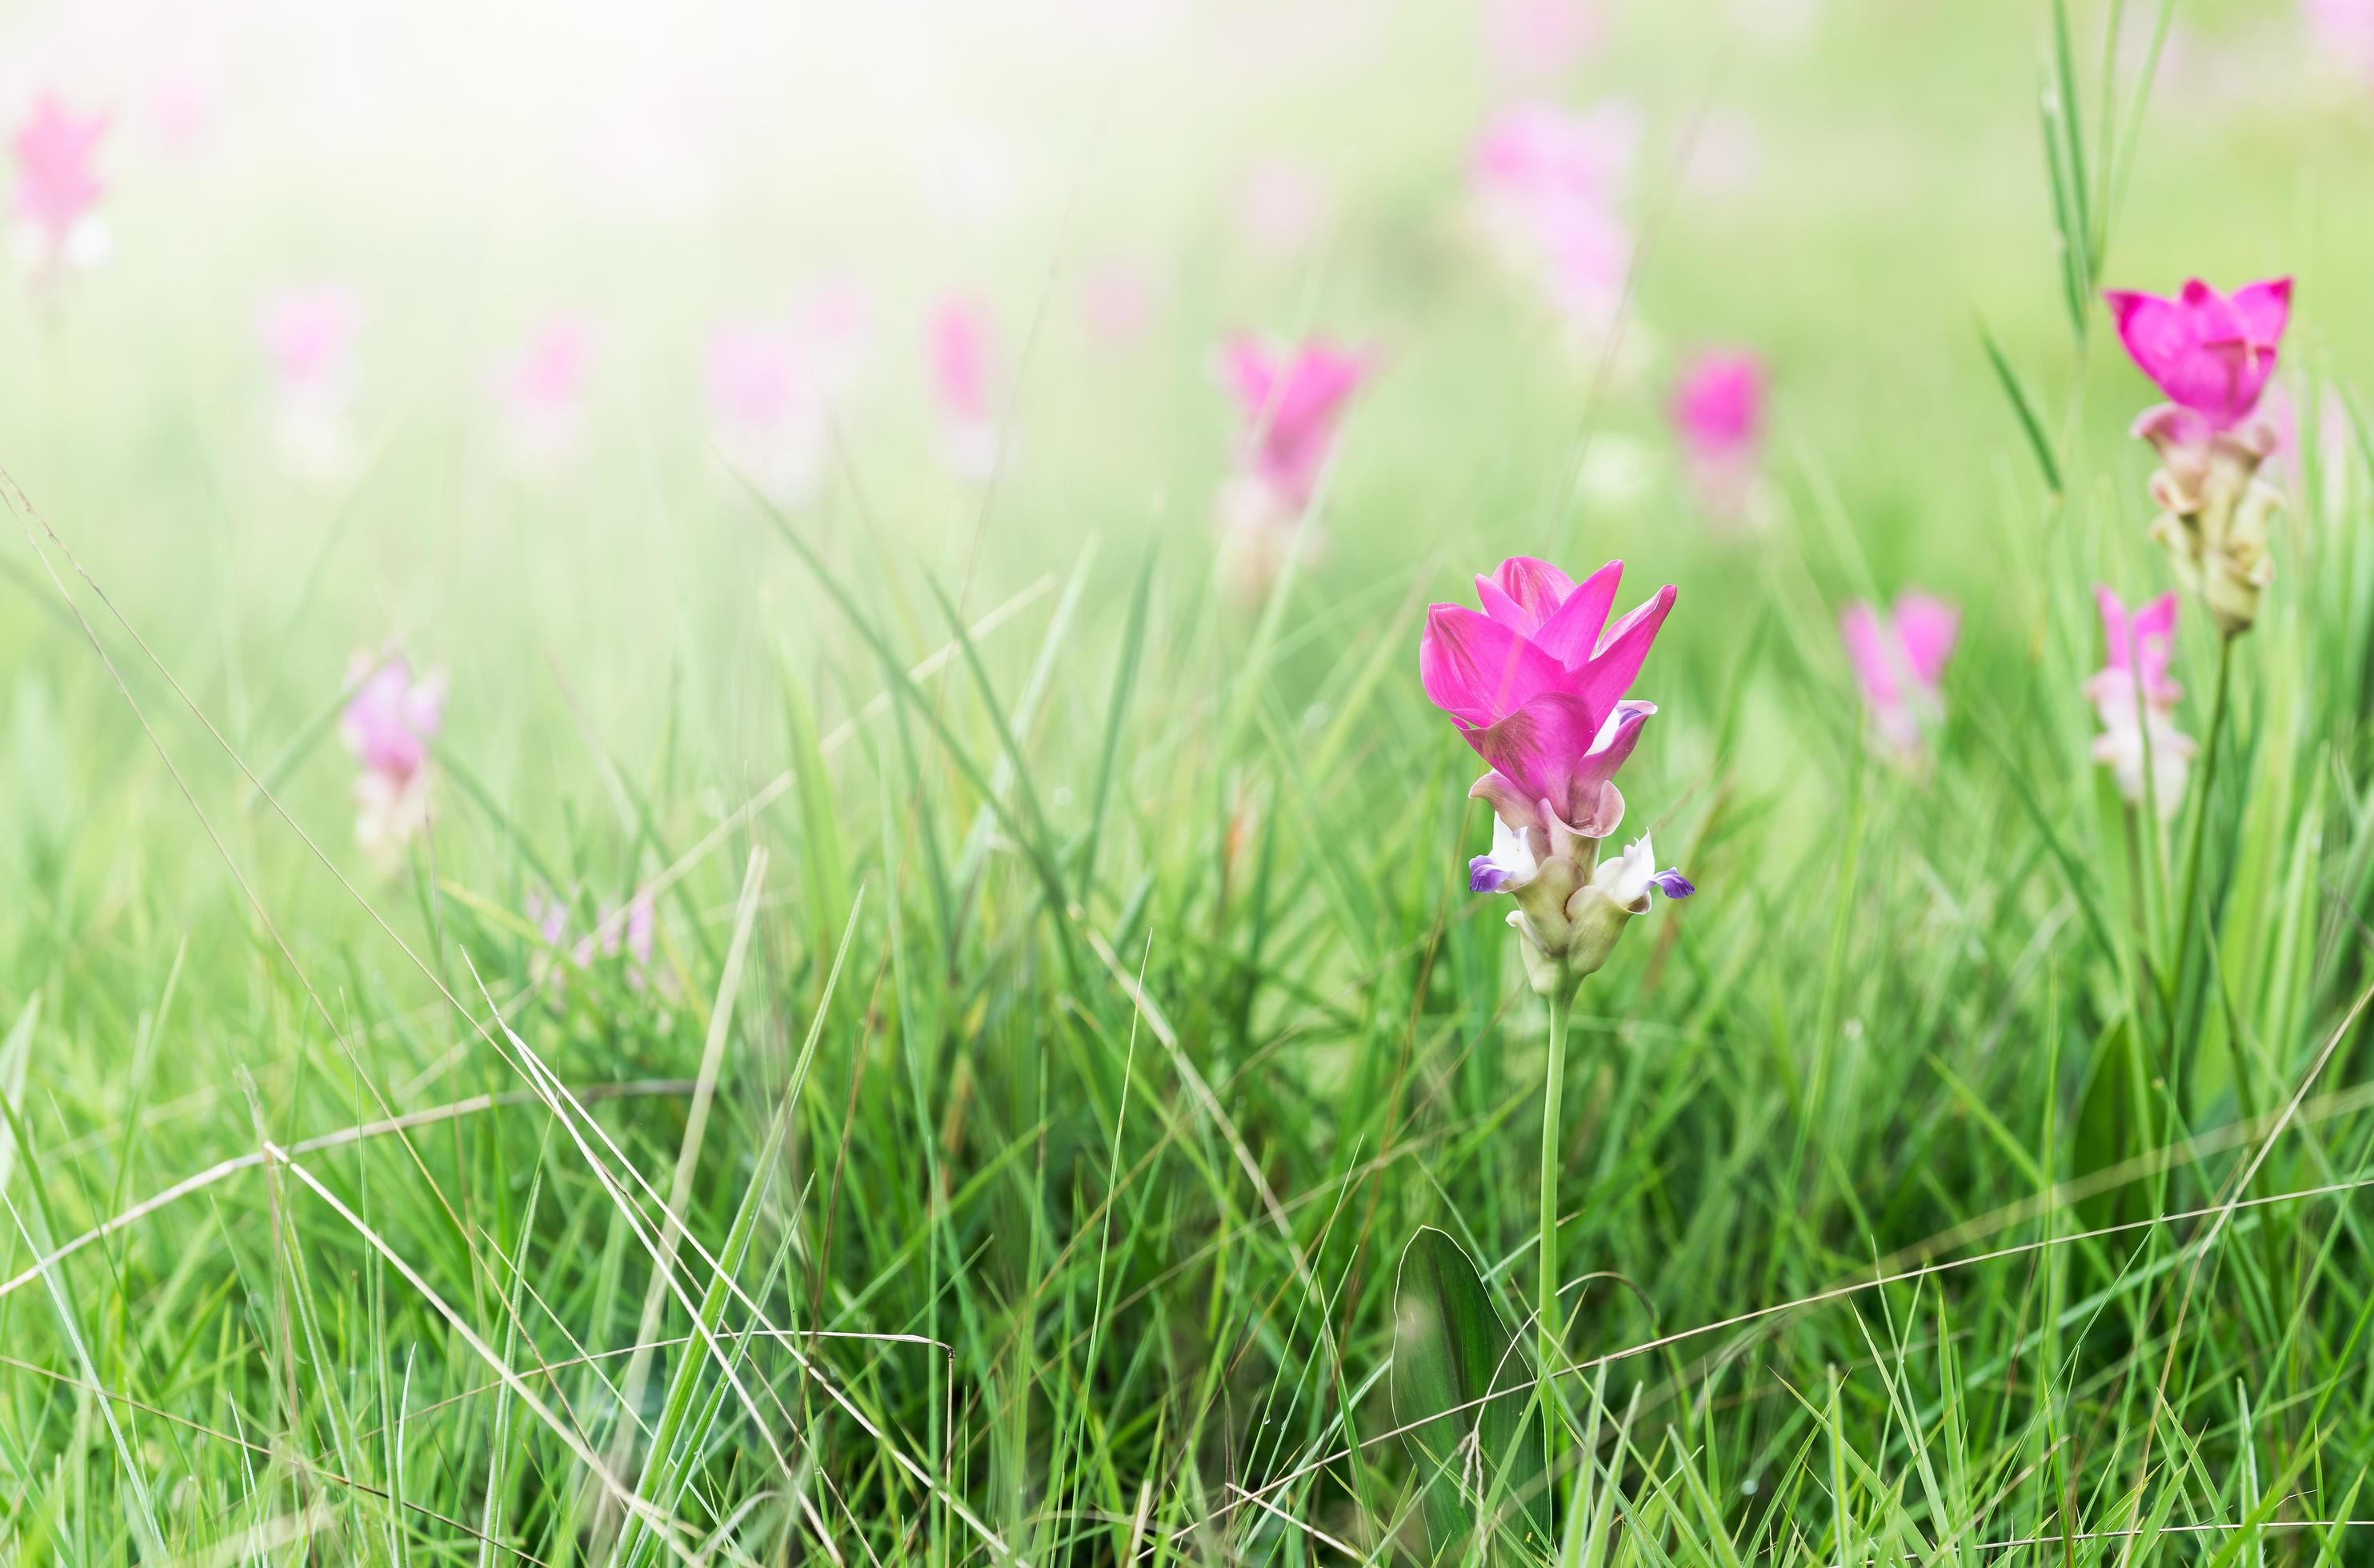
[1542,747]
[1476,670]
[1537,586]
[2152,329]
[1611,747]
[1571,634]
[1503,609]
[1926,627]
[1867,650]
[2265,308]
[1610,671]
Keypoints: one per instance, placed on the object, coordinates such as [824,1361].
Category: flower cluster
[2211,353]
[1535,683]
[2137,702]
[389,720]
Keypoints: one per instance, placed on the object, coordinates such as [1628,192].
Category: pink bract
[2210,353]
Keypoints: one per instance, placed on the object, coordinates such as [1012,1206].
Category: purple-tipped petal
[1478,670]
[1484,876]
[1673,884]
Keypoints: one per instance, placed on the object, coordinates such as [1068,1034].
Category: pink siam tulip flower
[1544,182]
[963,354]
[57,190]
[1535,683]
[1290,401]
[2209,353]
[387,724]
[1536,40]
[1897,659]
[1718,413]
[542,390]
[2137,702]
[2212,355]
[309,339]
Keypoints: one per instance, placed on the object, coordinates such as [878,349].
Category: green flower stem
[1550,1342]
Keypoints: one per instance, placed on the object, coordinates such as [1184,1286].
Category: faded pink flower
[1283,207]
[1720,411]
[2137,702]
[963,356]
[542,389]
[56,187]
[1536,40]
[769,418]
[1544,181]
[1117,302]
[1290,400]
[2210,353]
[2342,33]
[389,720]
[308,335]
[631,928]
[1897,659]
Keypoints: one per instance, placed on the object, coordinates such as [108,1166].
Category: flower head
[1717,416]
[2210,353]
[963,358]
[542,389]
[2137,702]
[56,187]
[308,335]
[1897,658]
[387,724]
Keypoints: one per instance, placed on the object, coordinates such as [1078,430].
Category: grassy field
[917,1019]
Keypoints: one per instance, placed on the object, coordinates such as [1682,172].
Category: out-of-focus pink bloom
[1544,181]
[1897,659]
[1726,154]
[1290,401]
[57,189]
[1718,413]
[308,335]
[1284,207]
[387,724]
[2342,33]
[1536,40]
[770,387]
[1537,683]
[542,389]
[631,928]
[2137,702]
[2210,353]
[963,356]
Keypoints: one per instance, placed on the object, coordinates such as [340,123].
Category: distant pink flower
[1284,207]
[56,187]
[1718,413]
[542,389]
[631,928]
[2342,33]
[1544,182]
[1536,681]
[1897,659]
[389,720]
[1118,303]
[309,336]
[1290,401]
[2137,702]
[963,359]
[2210,353]
[770,418]
[1535,40]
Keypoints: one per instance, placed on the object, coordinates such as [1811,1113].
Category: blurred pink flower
[1535,40]
[1290,400]
[963,356]
[1718,413]
[1117,302]
[1897,659]
[769,419]
[309,336]
[2137,702]
[1544,181]
[542,389]
[389,720]
[56,187]
[2341,32]
[2210,353]
[1283,207]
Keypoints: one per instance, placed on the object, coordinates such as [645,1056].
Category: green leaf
[1480,1457]
[2025,407]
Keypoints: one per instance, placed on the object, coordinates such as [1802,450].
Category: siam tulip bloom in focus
[542,390]
[308,338]
[1290,400]
[1718,413]
[962,356]
[387,725]
[2212,355]
[1897,657]
[57,191]
[1537,683]
[2137,702]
